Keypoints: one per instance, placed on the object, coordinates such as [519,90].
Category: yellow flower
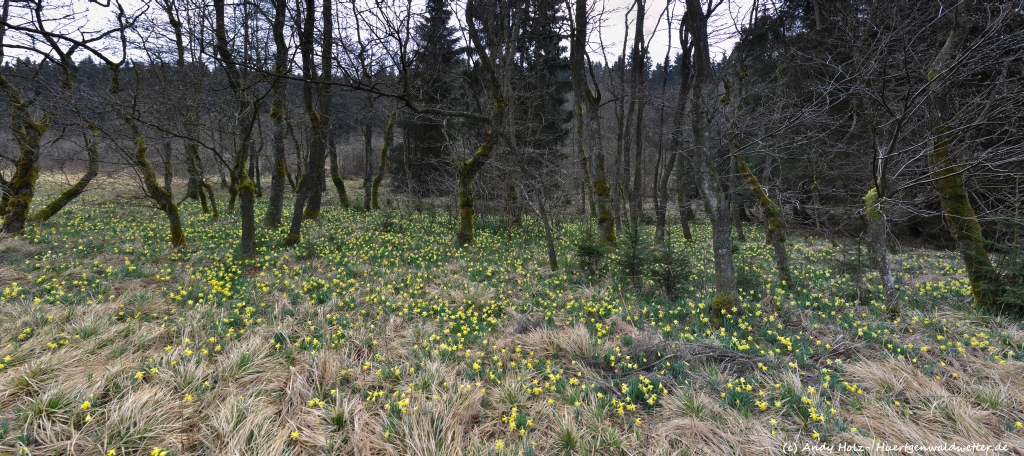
[499,445]
[140,374]
[112,453]
[295,435]
[85,405]
[639,421]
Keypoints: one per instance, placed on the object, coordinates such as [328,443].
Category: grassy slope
[376,336]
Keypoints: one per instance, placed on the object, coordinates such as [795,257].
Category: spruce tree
[425,156]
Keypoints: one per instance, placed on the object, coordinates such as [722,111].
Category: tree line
[887,119]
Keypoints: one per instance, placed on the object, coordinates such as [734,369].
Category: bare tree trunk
[307,201]
[683,200]
[193,165]
[323,129]
[247,113]
[708,180]
[389,137]
[367,164]
[588,184]
[168,167]
[636,190]
[549,237]
[874,211]
[339,183]
[58,203]
[589,107]
[736,200]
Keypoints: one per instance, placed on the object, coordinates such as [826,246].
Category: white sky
[724,26]
[662,34]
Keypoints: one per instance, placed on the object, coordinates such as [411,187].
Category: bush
[389,224]
[852,260]
[670,270]
[1008,260]
[634,254]
[591,253]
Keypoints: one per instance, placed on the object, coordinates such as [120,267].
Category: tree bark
[874,211]
[277,106]
[683,199]
[58,203]
[708,179]
[247,113]
[164,199]
[389,137]
[367,164]
[307,201]
[736,201]
[339,183]
[28,133]
[465,172]
[956,205]
[589,107]
[775,234]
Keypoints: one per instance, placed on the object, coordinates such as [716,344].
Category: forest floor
[376,336]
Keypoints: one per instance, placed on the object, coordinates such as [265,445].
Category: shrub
[591,253]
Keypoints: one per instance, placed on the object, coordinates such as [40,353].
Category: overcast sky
[723,31]
[661,24]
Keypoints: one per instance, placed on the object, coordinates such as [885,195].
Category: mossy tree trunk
[28,133]
[661,198]
[949,178]
[465,172]
[275,203]
[389,137]
[164,199]
[874,212]
[736,200]
[5,195]
[676,146]
[367,164]
[709,181]
[246,116]
[213,199]
[339,183]
[309,191]
[549,237]
[683,198]
[589,110]
[495,63]
[581,149]
[168,166]
[194,187]
[321,126]
[58,203]
[775,234]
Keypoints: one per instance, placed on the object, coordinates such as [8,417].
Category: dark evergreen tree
[423,162]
